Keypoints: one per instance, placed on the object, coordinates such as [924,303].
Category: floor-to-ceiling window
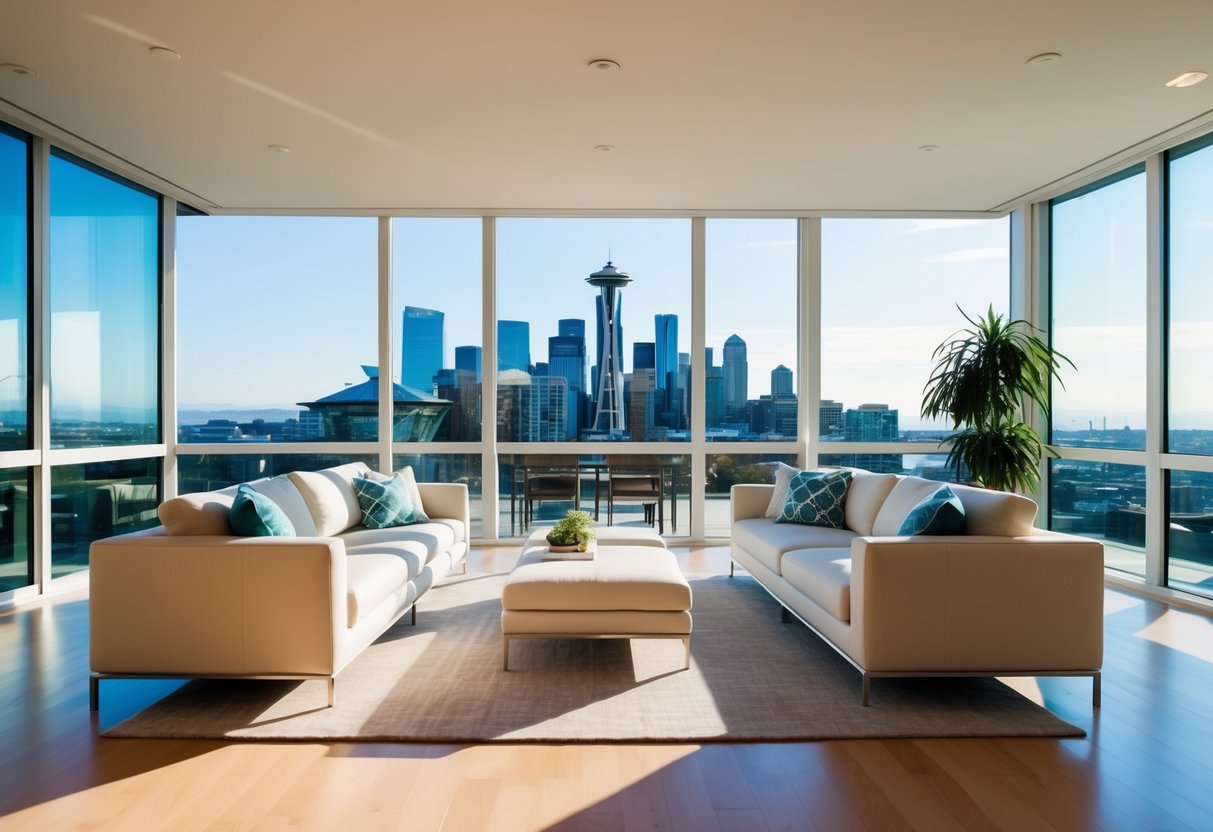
[1189,427]
[16,565]
[103,290]
[1098,321]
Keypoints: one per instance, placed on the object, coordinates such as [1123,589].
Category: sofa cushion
[437,536]
[329,495]
[997,513]
[865,496]
[282,491]
[767,541]
[202,513]
[783,478]
[905,496]
[941,513]
[384,505]
[254,515]
[817,498]
[822,575]
[372,577]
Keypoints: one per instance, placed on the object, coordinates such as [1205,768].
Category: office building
[421,347]
[514,346]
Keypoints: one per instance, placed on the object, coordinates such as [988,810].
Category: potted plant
[984,379]
[572,533]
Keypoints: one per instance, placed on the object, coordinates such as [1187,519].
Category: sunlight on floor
[1114,602]
[1026,686]
[1184,631]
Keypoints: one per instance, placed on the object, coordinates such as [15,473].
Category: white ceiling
[718,104]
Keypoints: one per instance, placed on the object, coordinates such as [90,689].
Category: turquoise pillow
[384,504]
[255,515]
[941,513]
[817,498]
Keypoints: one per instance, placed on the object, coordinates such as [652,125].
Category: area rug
[751,678]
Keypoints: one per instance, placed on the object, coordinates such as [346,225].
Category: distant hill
[200,416]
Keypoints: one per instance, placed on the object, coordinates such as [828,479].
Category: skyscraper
[566,359]
[830,418]
[514,346]
[571,328]
[736,379]
[781,382]
[421,347]
[609,404]
[713,392]
[667,350]
[470,359]
[644,356]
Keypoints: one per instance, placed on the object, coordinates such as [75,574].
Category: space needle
[608,418]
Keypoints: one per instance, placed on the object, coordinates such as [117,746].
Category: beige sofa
[1003,599]
[189,599]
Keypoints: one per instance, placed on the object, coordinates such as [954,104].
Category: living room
[214,242]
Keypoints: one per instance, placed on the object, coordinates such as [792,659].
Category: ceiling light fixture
[1044,58]
[278,148]
[929,148]
[18,69]
[604,148]
[603,64]
[164,53]
[1188,79]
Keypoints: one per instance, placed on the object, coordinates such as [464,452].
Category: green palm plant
[983,380]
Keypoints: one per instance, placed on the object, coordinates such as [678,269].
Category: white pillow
[410,483]
[783,478]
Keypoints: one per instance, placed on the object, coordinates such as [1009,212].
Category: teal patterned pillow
[941,513]
[817,498]
[384,504]
[255,515]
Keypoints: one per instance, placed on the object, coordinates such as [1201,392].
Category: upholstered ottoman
[624,592]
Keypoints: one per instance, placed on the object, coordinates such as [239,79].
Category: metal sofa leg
[332,691]
[414,611]
[784,615]
[731,565]
[94,692]
[867,680]
[1096,693]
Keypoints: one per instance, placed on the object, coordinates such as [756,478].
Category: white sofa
[1003,599]
[189,600]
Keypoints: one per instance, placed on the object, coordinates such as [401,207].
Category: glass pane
[277,330]
[1099,250]
[927,466]
[889,296]
[546,486]
[1190,532]
[461,468]
[16,568]
[105,308]
[1103,501]
[96,500]
[14,294]
[750,388]
[436,302]
[727,470]
[209,472]
[1190,349]
[555,329]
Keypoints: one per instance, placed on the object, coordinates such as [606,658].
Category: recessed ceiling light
[1188,79]
[929,148]
[18,69]
[278,148]
[1044,58]
[603,64]
[164,53]
[604,148]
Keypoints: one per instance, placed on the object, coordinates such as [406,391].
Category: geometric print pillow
[941,513]
[384,504]
[817,498]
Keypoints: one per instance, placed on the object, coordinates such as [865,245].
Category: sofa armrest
[207,605]
[977,603]
[749,500]
[448,500]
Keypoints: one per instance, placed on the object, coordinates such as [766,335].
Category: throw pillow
[255,515]
[817,498]
[783,476]
[383,504]
[941,513]
[410,482]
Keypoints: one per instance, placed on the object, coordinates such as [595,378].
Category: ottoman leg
[686,641]
[505,653]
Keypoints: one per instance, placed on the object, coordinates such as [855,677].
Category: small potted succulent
[572,533]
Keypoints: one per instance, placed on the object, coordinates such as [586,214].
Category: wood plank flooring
[1147,762]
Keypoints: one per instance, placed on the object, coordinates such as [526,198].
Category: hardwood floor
[1147,762]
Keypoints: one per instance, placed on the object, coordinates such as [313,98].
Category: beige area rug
[751,678]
